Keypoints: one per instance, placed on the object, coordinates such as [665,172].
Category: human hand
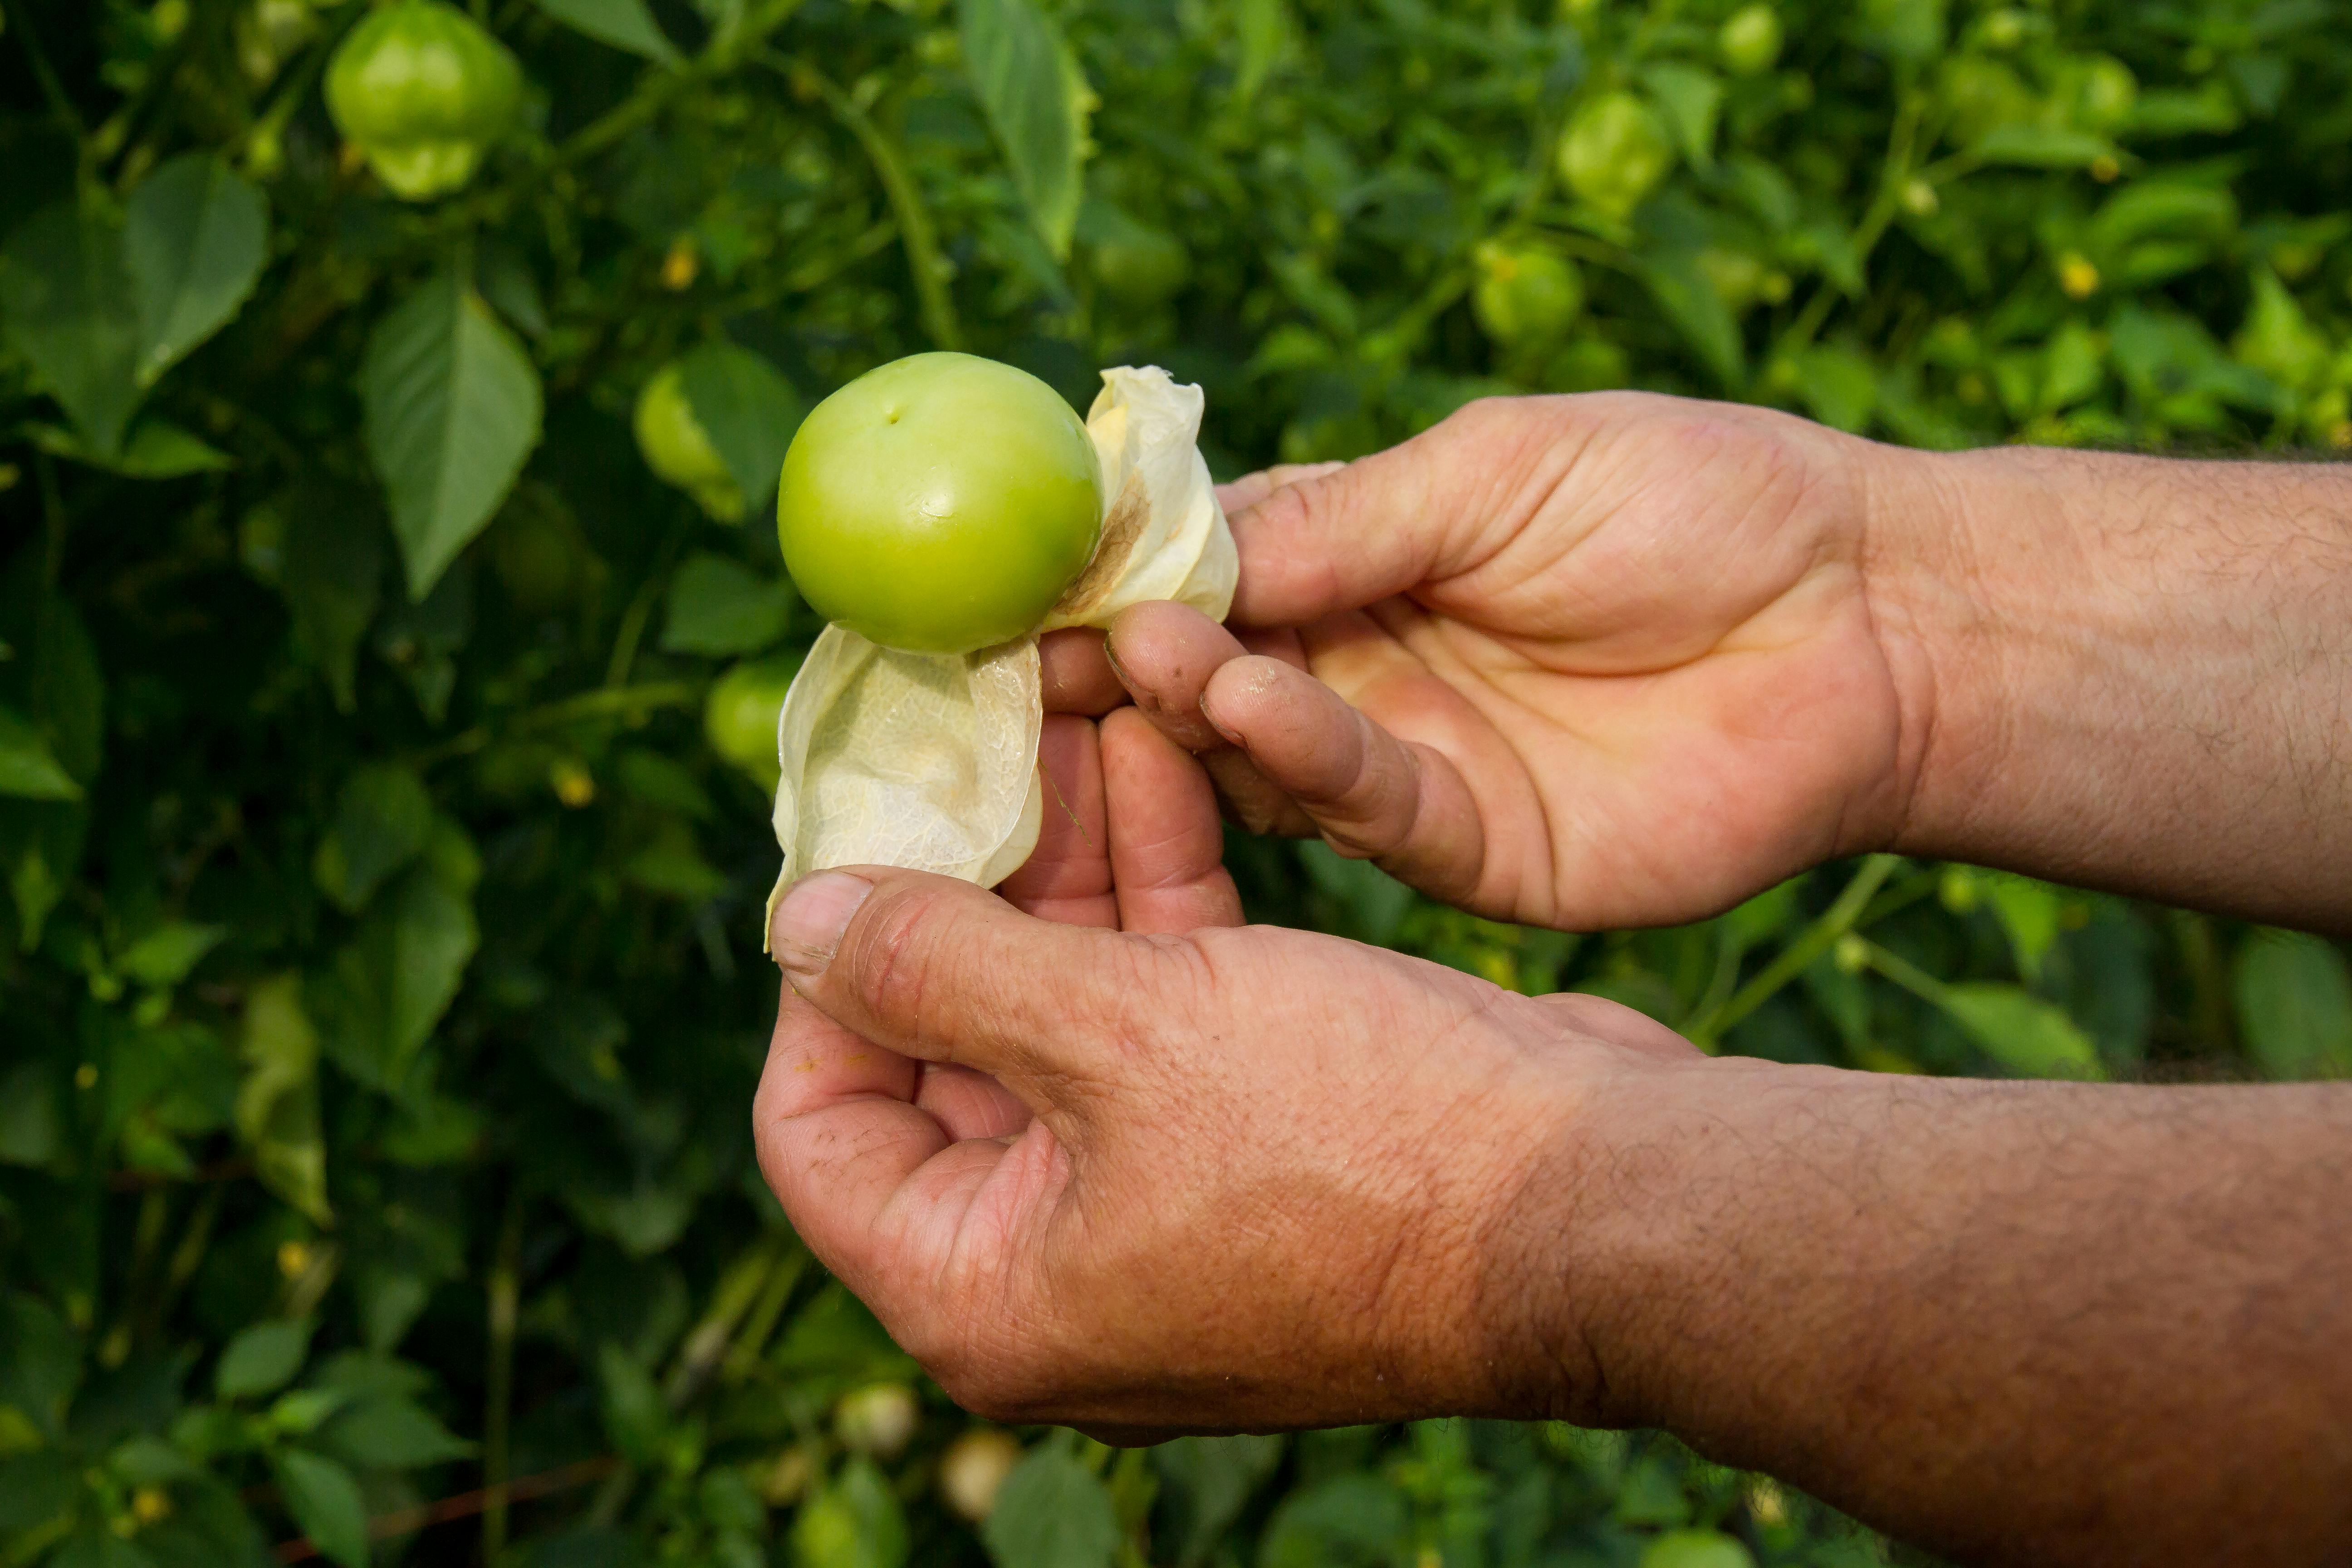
[1585,662]
[1142,1183]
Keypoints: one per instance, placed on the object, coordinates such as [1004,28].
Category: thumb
[942,971]
[1348,536]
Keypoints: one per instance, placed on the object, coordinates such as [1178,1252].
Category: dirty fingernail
[810,921]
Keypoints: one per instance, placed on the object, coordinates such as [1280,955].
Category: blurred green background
[383,808]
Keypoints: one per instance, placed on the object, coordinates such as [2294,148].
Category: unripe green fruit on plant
[2101,91]
[1695,1549]
[422,89]
[973,1471]
[1525,294]
[738,716]
[879,1420]
[1141,267]
[1614,152]
[676,448]
[1749,40]
[939,504]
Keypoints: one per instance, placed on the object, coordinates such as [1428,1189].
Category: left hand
[1163,1174]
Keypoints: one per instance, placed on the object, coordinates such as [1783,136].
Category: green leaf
[382,818]
[452,406]
[195,235]
[164,955]
[31,1130]
[331,578]
[2028,911]
[1690,99]
[1053,1513]
[635,1417]
[1372,904]
[2294,993]
[66,298]
[40,1362]
[1347,1521]
[719,606]
[1266,39]
[390,1434]
[36,1489]
[390,986]
[101,1548]
[748,410]
[624,24]
[1839,387]
[325,1501]
[2031,146]
[263,1358]
[157,449]
[28,768]
[277,1103]
[855,1522]
[1697,312]
[2022,1032]
[1209,1480]
[1037,101]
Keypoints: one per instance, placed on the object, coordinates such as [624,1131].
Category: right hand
[1584,662]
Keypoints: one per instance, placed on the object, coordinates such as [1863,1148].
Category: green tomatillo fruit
[678,448]
[939,504]
[1614,152]
[738,716]
[422,89]
[1749,40]
[1527,294]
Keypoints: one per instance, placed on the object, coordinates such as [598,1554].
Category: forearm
[2128,673]
[2018,1322]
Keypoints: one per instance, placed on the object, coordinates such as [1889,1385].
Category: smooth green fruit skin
[1525,294]
[738,716]
[678,448]
[1614,152]
[1749,41]
[939,504]
[422,89]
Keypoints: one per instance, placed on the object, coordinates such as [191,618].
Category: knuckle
[894,951]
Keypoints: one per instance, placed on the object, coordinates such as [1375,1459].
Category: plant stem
[505,1304]
[52,87]
[1894,171]
[606,702]
[1797,956]
[185,1258]
[915,230]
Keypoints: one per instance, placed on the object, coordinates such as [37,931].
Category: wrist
[1933,605]
[1617,1234]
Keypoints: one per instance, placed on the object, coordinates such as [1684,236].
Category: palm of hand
[1637,628]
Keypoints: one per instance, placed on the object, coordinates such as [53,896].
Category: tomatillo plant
[939,504]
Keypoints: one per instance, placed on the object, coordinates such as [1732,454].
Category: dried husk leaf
[930,761]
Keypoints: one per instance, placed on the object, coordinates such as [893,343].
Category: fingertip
[1163,653]
[1253,690]
[1076,672]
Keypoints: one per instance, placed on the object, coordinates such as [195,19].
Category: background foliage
[380,988]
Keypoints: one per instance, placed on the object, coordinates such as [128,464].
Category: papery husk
[930,761]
